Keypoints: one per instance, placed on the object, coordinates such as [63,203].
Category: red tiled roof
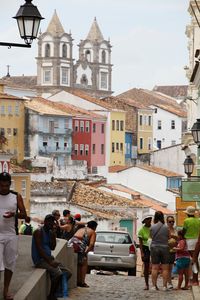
[150,168]
[4,96]
[175,91]
[144,200]
[149,98]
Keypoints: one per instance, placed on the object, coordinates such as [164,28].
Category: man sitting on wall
[43,241]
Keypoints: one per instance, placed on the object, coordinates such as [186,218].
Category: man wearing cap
[11,208]
[191,228]
[43,242]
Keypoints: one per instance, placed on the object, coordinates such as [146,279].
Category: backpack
[28,229]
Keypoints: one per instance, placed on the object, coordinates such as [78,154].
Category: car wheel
[132,272]
[89,269]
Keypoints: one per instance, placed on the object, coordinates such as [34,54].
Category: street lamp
[196,132]
[28,19]
[188,166]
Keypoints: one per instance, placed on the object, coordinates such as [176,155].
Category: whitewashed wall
[145,182]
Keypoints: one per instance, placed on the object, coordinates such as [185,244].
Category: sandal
[185,288]
[85,285]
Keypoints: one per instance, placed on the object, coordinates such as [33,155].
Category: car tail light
[132,249]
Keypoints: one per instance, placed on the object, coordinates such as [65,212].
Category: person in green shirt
[144,235]
[191,229]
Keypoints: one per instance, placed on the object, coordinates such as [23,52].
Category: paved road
[115,287]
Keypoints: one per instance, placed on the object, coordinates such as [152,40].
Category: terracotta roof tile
[150,168]
[28,82]
[4,96]
[149,98]
[175,91]
[139,198]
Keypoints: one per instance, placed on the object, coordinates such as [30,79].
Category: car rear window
[113,237]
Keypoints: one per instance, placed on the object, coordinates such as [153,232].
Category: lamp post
[188,166]
[28,19]
[196,136]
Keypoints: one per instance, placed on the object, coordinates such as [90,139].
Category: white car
[113,250]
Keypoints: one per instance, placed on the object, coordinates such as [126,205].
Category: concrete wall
[36,284]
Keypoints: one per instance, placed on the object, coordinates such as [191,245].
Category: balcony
[45,151]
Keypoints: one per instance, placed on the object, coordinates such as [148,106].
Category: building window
[87,126]
[81,126]
[103,56]
[149,120]
[64,50]
[117,125]
[9,109]
[23,188]
[14,131]
[88,55]
[141,143]
[113,147]
[173,142]
[172,124]
[113,124]
[76,149]
[122,125]
[117,147]
[159,124]
[93,148]
[47,75]
[86,150]
[94,127]
[84,80]
[149,144]
[17,109]
[2,131]
[9,131]
[2,110]
[56,124]
[102,128]
[64,75]
[81,149]
[102,148]
[47,50]
[121,147]
[141,117]
[159,144]
[104,78]
[76,127]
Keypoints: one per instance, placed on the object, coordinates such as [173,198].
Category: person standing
[144,235]
[56,215]
[11,209]
[83,241]
[26,228]
[182,261]
[159,233]
[43,242]
[172,243]
[191,229]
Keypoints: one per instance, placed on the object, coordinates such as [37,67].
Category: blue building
[128,145]
[48,130]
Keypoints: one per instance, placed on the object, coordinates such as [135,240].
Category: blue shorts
[180,264]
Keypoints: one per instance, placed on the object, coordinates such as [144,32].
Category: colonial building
[56,69]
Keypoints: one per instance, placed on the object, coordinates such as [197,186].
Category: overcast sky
[148,37]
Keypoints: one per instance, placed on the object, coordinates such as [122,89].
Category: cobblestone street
[123,287]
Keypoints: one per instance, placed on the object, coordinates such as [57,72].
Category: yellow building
[117,138]
[21,183]
[12,125]
[145,131]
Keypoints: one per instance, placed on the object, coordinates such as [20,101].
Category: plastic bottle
[64,285]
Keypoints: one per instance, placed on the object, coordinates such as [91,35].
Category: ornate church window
[104,80]
[84,80]
[47,50]
[88,55]
[103,56]
[64,51]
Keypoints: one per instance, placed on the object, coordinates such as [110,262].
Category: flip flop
[85,285]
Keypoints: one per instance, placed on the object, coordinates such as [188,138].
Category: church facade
[57,70]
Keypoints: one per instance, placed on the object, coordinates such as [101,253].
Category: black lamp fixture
[28,19]
[188,166]
[196,132]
